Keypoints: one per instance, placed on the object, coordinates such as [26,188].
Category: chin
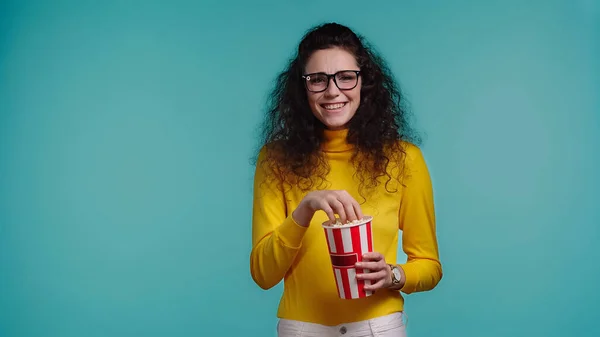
[338,122]
[332,125]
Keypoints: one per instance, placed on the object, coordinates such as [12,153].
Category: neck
[335,140]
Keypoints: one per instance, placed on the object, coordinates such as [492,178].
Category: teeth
[333,106]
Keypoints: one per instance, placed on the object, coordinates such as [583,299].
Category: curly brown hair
[292,136]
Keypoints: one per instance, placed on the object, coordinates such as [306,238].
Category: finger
[329,211]
[349,208]
[373,256]
[352,204]
[376,285]
[338,208]
[356,207]
[372,276]
[374,266]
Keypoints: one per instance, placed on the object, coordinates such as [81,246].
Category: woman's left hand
[379,273]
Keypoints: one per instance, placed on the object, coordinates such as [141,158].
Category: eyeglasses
[319,82]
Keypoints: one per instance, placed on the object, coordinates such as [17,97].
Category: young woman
[337,145]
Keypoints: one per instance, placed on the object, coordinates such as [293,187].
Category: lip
[322,105]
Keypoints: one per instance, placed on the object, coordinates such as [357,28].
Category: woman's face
[334,107]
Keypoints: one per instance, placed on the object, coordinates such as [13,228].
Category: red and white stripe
[346,246]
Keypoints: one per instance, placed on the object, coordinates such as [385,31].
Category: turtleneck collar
[335,141]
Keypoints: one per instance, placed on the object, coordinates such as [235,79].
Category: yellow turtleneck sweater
[283,250]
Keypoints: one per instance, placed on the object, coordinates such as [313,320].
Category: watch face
[397,274]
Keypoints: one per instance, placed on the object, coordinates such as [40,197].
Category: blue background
[126,130]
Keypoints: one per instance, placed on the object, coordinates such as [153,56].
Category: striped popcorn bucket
[346,244]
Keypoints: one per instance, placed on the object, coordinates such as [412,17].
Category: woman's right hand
[330,202]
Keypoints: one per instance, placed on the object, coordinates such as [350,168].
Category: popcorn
[338,223]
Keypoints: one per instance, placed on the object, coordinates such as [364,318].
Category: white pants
[386,326]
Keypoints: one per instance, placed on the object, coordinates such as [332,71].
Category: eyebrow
[337,71]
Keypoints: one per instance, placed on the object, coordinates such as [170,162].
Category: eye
[316,79]
[346,77]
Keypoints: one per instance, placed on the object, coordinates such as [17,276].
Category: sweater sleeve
[276,237]
[423,269]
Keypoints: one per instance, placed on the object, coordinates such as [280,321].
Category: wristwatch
[396,275]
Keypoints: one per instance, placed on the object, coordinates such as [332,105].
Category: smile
[333,106]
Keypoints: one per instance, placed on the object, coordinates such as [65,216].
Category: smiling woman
[336,131]
[333,105]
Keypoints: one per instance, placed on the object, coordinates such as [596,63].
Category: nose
[332,89]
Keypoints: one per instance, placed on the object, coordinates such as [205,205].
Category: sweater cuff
[290,234]
[411,274]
